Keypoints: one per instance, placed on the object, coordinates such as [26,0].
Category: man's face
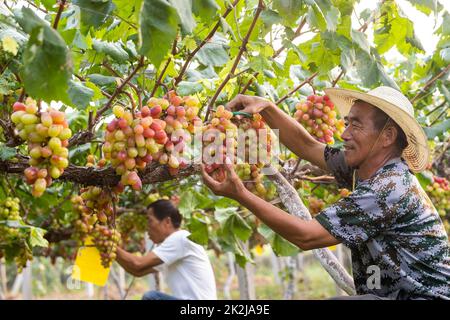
[156,229]
[360,134]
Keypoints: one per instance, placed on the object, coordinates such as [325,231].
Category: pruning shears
[241,113]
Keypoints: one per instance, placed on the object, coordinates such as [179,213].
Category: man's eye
[346,124]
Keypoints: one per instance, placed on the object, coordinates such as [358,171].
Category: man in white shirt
[185,264]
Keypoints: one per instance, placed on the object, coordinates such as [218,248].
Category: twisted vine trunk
[92,176]
[291,200]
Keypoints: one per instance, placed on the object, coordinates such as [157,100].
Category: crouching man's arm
[138,266]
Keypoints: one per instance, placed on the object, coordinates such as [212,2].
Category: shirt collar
[389,162]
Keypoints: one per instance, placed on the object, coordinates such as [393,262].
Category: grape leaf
[94,12]
[158,28]
[47,63]
[7,153]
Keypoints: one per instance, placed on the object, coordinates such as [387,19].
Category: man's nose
[346,134]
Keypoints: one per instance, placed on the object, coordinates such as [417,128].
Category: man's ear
[390,136]
[167,221]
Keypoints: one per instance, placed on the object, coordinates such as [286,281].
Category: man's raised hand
[250,104]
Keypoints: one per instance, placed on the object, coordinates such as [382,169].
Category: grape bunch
[439,192]
[12,239]
[219,142]
[318,116]
[158,132]
[181,118]
[130,141]
[93,205]
[47,134]
[106,241]
[132,227]
[255,181]
[154,196]
[9,209]
[315,205]
[258,142]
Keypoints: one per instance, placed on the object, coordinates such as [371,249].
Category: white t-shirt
[186,268]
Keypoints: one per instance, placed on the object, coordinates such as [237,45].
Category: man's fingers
[209,181]
[235,103]
[229,168]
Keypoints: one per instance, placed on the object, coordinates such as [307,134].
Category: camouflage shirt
[392,229]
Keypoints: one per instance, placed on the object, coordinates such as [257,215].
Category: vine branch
[430,82]
[297,33]
[237,59]
[87,135]
[62,4]
[306,81]
[204,41]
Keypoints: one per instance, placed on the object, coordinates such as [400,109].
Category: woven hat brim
[416,153]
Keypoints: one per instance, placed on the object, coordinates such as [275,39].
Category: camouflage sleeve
[357,218]
[336,164]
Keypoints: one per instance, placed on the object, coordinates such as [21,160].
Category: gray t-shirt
[391,226]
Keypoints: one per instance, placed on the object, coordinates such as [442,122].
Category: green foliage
[279,245]
[93,12]
[7,153]
[158,28]
[68,64]
[47,64]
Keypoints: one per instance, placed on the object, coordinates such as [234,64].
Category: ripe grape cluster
[318,116]
[158,132]
[439,191]
[13,239]
[219,142]
[94,204]
[258,143]
[47,134]
[181,118]
[106,241]
[96,215]
[315,205]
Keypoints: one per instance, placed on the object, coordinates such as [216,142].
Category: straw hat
[396,106]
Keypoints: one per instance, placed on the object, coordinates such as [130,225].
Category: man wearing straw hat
[388,221]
